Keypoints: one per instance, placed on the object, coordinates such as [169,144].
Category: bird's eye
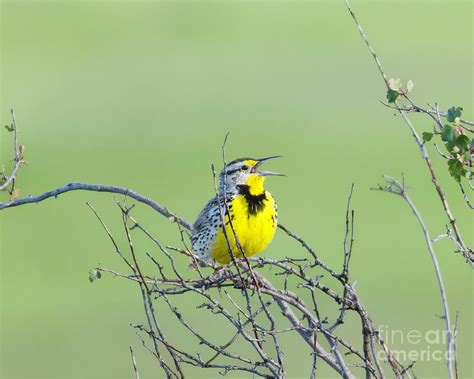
[244,168]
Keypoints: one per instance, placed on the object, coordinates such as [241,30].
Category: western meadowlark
[250,213]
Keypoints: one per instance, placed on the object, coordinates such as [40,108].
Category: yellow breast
[253,225]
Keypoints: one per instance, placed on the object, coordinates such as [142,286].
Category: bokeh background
[140,94]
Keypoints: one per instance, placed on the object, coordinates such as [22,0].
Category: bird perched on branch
[249,212]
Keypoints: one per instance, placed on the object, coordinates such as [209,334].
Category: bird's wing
[206,226]
[204,216]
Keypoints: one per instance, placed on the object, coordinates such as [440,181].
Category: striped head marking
[244,172]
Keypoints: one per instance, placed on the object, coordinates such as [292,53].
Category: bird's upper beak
[265,173]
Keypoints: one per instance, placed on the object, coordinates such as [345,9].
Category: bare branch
[397,188]
[364,37]
[76,186]
[135,370]
[455,346]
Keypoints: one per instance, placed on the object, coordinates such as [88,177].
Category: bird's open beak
[265,173]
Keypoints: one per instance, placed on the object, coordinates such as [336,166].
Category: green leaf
[456,169]
[392,95]
[427,136]
[462,142]
[94,275]
[453,112]
[450,146]
[448,133]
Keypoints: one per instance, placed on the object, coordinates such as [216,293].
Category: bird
[248,210]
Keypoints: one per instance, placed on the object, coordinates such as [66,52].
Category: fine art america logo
[415,345]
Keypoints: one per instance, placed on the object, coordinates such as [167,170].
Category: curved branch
[75,186]
[397,188]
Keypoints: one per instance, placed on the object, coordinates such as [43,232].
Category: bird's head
[245,172]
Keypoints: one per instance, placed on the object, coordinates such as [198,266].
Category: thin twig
[18,159]
[135,370]
[455,345]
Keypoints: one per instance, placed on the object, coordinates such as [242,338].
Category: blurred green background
[140,94]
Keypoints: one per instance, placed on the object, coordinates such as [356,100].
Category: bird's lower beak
[269,173]
[265,173]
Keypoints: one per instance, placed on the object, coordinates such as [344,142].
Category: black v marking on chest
[255,203]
